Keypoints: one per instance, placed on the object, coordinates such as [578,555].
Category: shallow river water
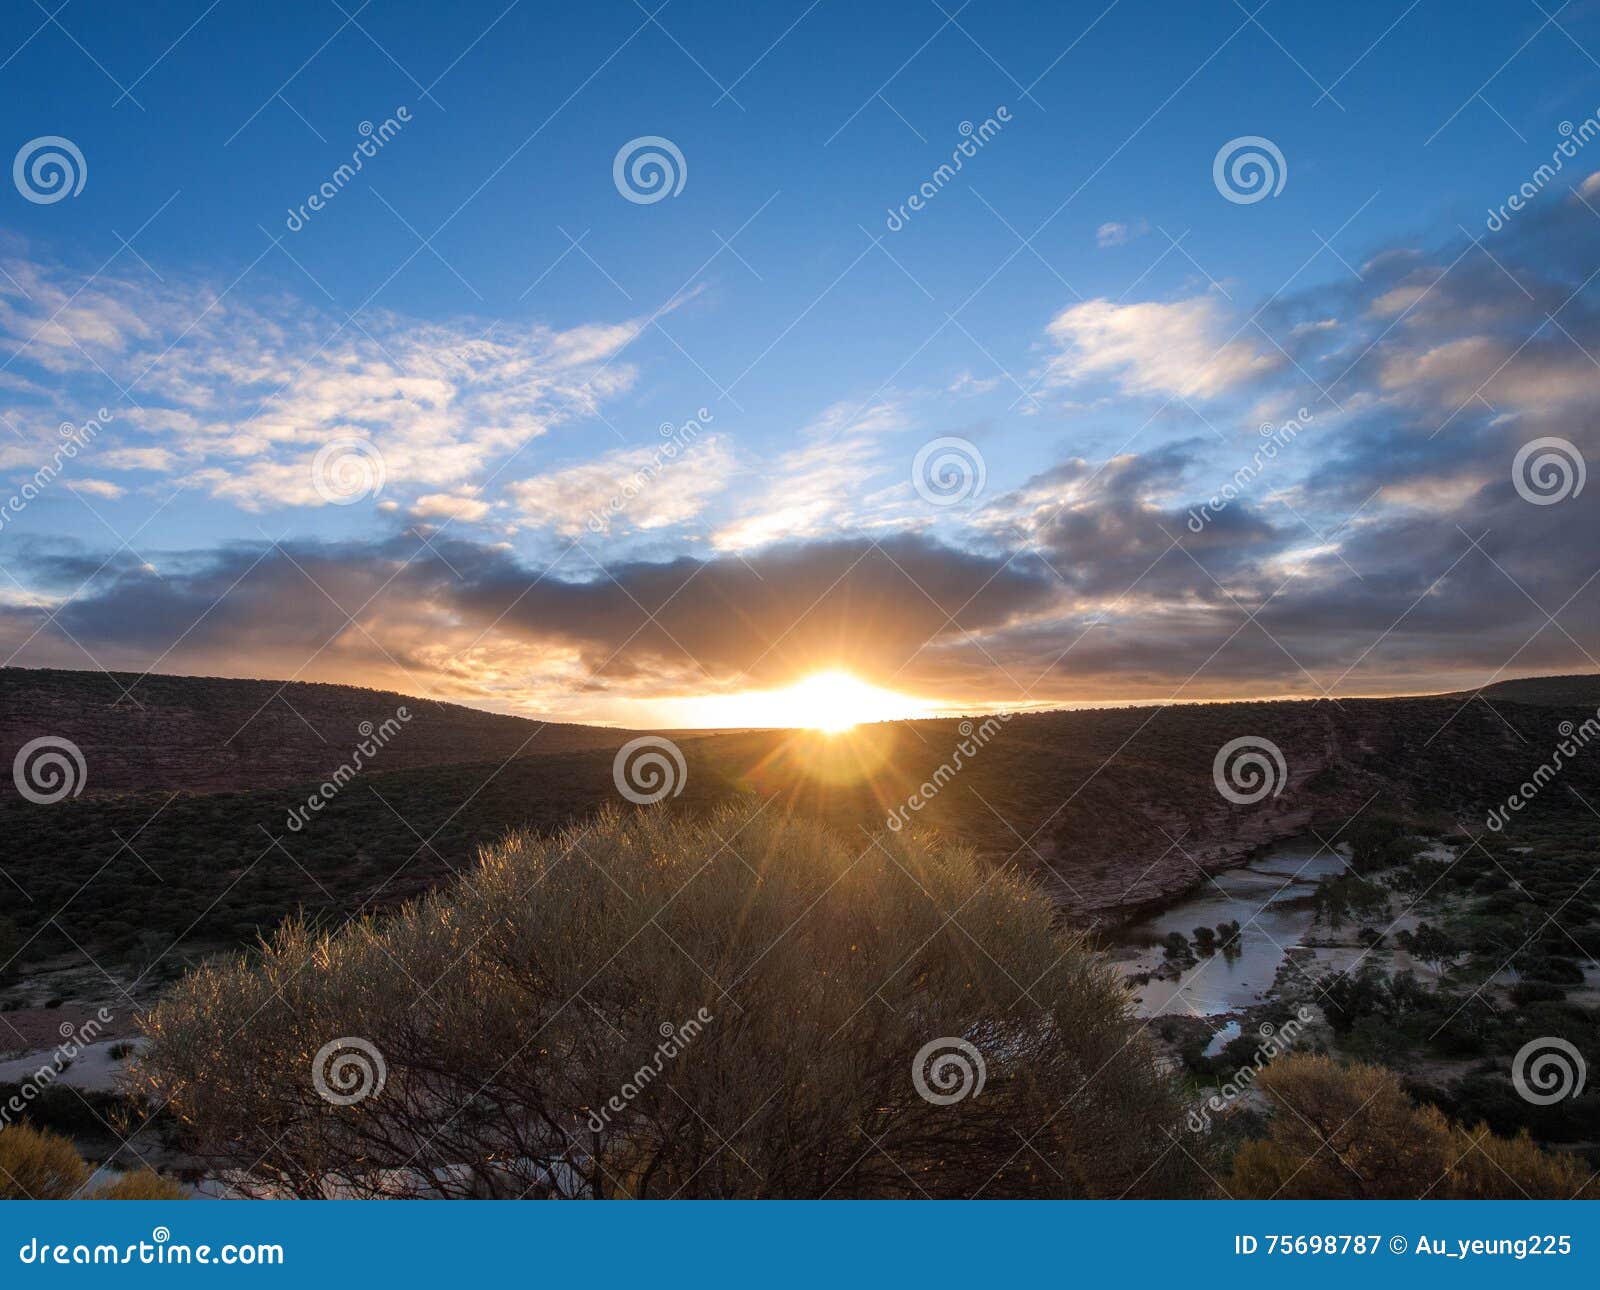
[1270,900]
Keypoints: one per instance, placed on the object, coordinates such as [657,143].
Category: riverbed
[1270,899]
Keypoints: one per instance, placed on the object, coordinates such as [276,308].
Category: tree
[1430,945]
[523,1018]
[1351,1133]
[1205,941]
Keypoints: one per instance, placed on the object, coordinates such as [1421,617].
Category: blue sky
[483,310]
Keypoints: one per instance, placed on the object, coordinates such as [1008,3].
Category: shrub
[37,1165]
[141,1184]
[515,1006]
[1352,1133]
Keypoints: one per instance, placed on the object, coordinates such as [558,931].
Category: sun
[831,701]
[836,701]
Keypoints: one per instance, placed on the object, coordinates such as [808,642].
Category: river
[1270,898]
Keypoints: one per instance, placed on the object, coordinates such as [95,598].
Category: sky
[621,362]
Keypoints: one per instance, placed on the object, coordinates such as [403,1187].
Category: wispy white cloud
[1182,348]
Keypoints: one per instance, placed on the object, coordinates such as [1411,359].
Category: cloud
[237,393]
[1181,349]
[449,506]
[653,486]
[97,488]
[1115,233]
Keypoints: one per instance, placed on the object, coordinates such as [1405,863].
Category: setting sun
[829,701]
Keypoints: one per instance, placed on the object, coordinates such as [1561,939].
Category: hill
[210,734]
[1548,691]
[1112,809]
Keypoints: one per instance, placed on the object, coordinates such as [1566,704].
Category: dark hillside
[208,734]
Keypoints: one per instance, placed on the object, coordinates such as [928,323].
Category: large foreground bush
[652,1007]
